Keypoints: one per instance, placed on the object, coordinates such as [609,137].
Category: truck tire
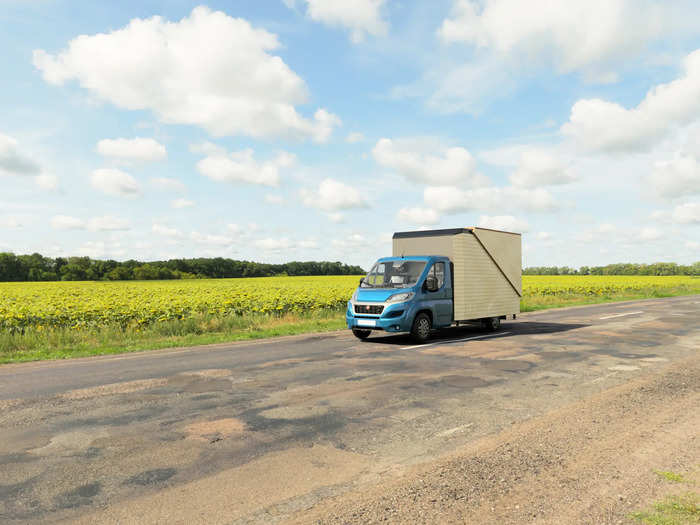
[491,323]
[361,334]
[420,331]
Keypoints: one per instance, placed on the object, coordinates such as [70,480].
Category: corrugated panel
[434,245]
[481,290]
[505,249]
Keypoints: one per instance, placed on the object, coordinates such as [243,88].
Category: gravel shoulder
[590,462]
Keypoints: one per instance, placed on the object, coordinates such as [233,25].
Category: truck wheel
[420,331]
[491,323]
[361,334]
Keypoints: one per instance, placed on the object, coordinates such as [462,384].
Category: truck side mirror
[431,283]
[362,279]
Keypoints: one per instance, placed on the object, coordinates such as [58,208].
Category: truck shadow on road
[466,333]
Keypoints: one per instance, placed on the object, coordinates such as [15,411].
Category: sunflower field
[42,306]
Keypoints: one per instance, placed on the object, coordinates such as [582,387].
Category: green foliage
[618,269]
[670,476]
[674,510]
[36,267]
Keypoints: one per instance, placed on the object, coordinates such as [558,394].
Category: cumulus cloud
[241,166]
[503,222]
[540,168]
[428,162]
[274,245]
[95,224]
[181,203]
[688,213]
[209,70]
[138,149]
[418,215]
[649,234]
[66,222]
[46,181]
[211,240]
[167,184]
[354,137]
[166,231]
[586,36]
[360,17]
[597,124]
[271,198]
[114,182]
[451,199]
[108,223]
[13,161]
[333,195]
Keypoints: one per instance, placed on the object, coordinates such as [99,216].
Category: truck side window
[438,271]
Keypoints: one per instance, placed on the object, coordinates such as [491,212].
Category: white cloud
[274,199]
[208,70]
[11,222]
[354,137]
[540,168]
[336,217]
[600,232]
[66,222]
[13,161]
[212,240]
[308,244]
[688,213]
[46,181]
[692,245]
[418,215]
[351,242]
[450,199]
[138,149]
[587,36]
[114,182]
[181,203]
[108,223]
[166,231]
[677,177]
[240,166]
[167,184]
[543,236]
[333,195]
[597,124]
[274,245]
[503,222]
[361,17]
[95,224]
[428,162]
[649,234]
[101,249]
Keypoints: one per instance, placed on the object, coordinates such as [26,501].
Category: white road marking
[424,345]
[621,315]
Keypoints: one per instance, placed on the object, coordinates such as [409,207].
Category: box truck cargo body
[438,278]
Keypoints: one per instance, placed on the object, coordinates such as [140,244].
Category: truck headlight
[400,297]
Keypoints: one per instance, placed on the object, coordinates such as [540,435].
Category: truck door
[442,298]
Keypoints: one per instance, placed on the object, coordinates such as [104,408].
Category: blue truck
[439,278]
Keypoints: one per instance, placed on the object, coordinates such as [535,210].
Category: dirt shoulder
[590,462]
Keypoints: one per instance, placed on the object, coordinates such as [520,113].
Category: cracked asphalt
[294,428]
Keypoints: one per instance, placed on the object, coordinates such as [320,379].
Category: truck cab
[403,294]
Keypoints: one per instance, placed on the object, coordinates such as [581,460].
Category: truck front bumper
[394,318]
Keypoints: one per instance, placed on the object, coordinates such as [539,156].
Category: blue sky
[314,129]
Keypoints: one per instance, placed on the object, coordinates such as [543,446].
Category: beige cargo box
[487,267]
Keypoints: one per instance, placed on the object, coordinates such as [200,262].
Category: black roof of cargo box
[431,233]
[447,231]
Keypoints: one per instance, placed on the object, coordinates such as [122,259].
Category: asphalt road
[261,432]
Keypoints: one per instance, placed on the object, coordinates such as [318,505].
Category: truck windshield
[394,274]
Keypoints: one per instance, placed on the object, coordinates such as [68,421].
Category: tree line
[36,267]
[618,269]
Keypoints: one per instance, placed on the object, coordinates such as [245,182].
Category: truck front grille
[374,309]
